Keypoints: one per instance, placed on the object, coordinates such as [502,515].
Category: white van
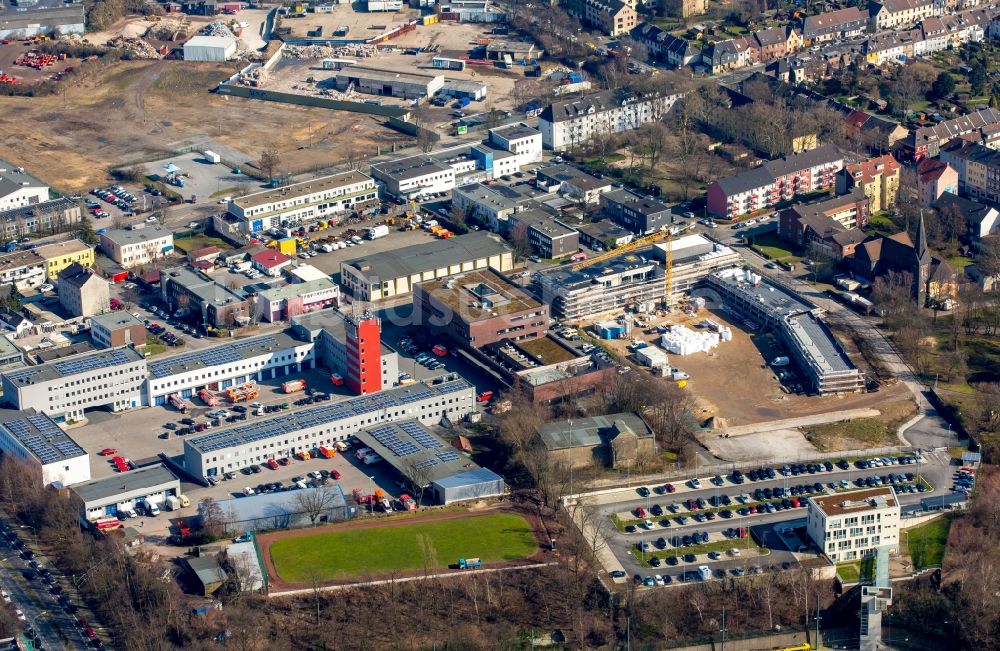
[152,509]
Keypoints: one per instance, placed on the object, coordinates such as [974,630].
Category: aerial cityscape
[499,324]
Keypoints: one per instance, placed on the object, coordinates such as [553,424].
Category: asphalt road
[57,628]
[937,470]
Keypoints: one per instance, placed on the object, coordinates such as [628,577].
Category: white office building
[302,202]
[138,244]
[64,389]
[230,364]
[214,454]
[415,176]
[519,139]
[572,122]
[107,496]
[854,525]
[34,437]
[19,189]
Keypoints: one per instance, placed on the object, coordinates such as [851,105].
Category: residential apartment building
[283,303]
[638,214]
[834,25]
[45,217]
[568,123]
[896,14]
[662,45]
[549,238]
[23,269]
[17,188]
[684,8]
[613,17]
[209,302]
[854,525]
[318,198]
[775,181]
[935,178]
[65,389]
[479,308]
[978,169]
[138,244]
[878,177]
[226,450]
[116,329]
[832,225]
[631,279]
[926,142]
[60,255]
[82,292]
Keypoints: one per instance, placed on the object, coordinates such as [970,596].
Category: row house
[760,47]
[774,182]
[892,46]
[896,14]
[834,25]
[926,142]
[877,177]
[664,46]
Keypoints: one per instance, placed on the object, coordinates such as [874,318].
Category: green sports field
[383,550]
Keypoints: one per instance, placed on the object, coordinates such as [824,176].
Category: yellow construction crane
[647,240]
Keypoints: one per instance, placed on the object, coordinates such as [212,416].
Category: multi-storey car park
[36,438]
[820,357]
[211,455]
[64,389]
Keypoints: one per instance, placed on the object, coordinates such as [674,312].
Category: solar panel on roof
[426,463]
[448,456]
[87,364]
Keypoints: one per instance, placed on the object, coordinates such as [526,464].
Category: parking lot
[759,522]
[205,181]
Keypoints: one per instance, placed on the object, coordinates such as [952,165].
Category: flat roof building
[389,83]
[635,212]
[282,510]
[414,176]
[115,329]
[854,525]
[393,273]
[65,389]
[305,430]
[603,235]
[694,258]
[107,496]
[138,244]
[817,353]
[607,286]
[428,461]
[283,303]
[56,215]
[313,199]
[209,48]
[32,436]
[548,237]
[211,302]
[60,255]
[228,364]
[478,308]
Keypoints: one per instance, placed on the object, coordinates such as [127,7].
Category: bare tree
[315,502]
[269,161]
[213,520]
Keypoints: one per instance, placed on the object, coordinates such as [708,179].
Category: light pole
[371,493]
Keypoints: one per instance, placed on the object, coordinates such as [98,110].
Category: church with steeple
[933,279]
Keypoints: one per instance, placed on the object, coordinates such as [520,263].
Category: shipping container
[446,63]
[212,157]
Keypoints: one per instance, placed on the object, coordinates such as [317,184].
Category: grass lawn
[154,346]
[185,244]
[848,572]
[435,545]
[926,543]
[772,247]
[959,262]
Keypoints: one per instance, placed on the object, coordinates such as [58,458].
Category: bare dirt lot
[113,114]
[734,384]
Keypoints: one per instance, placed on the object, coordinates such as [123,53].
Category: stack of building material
[137,47]
[681,340]
[217,28]
[725,333]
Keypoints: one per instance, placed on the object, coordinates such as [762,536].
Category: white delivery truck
[173,504]
[371,458]
[376,232]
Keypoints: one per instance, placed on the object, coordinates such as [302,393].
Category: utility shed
[471,485]
[209,575]
[210,48]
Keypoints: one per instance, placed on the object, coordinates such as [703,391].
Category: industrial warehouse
[426,460]
[393,273]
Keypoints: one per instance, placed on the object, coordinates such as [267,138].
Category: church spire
[920,246]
